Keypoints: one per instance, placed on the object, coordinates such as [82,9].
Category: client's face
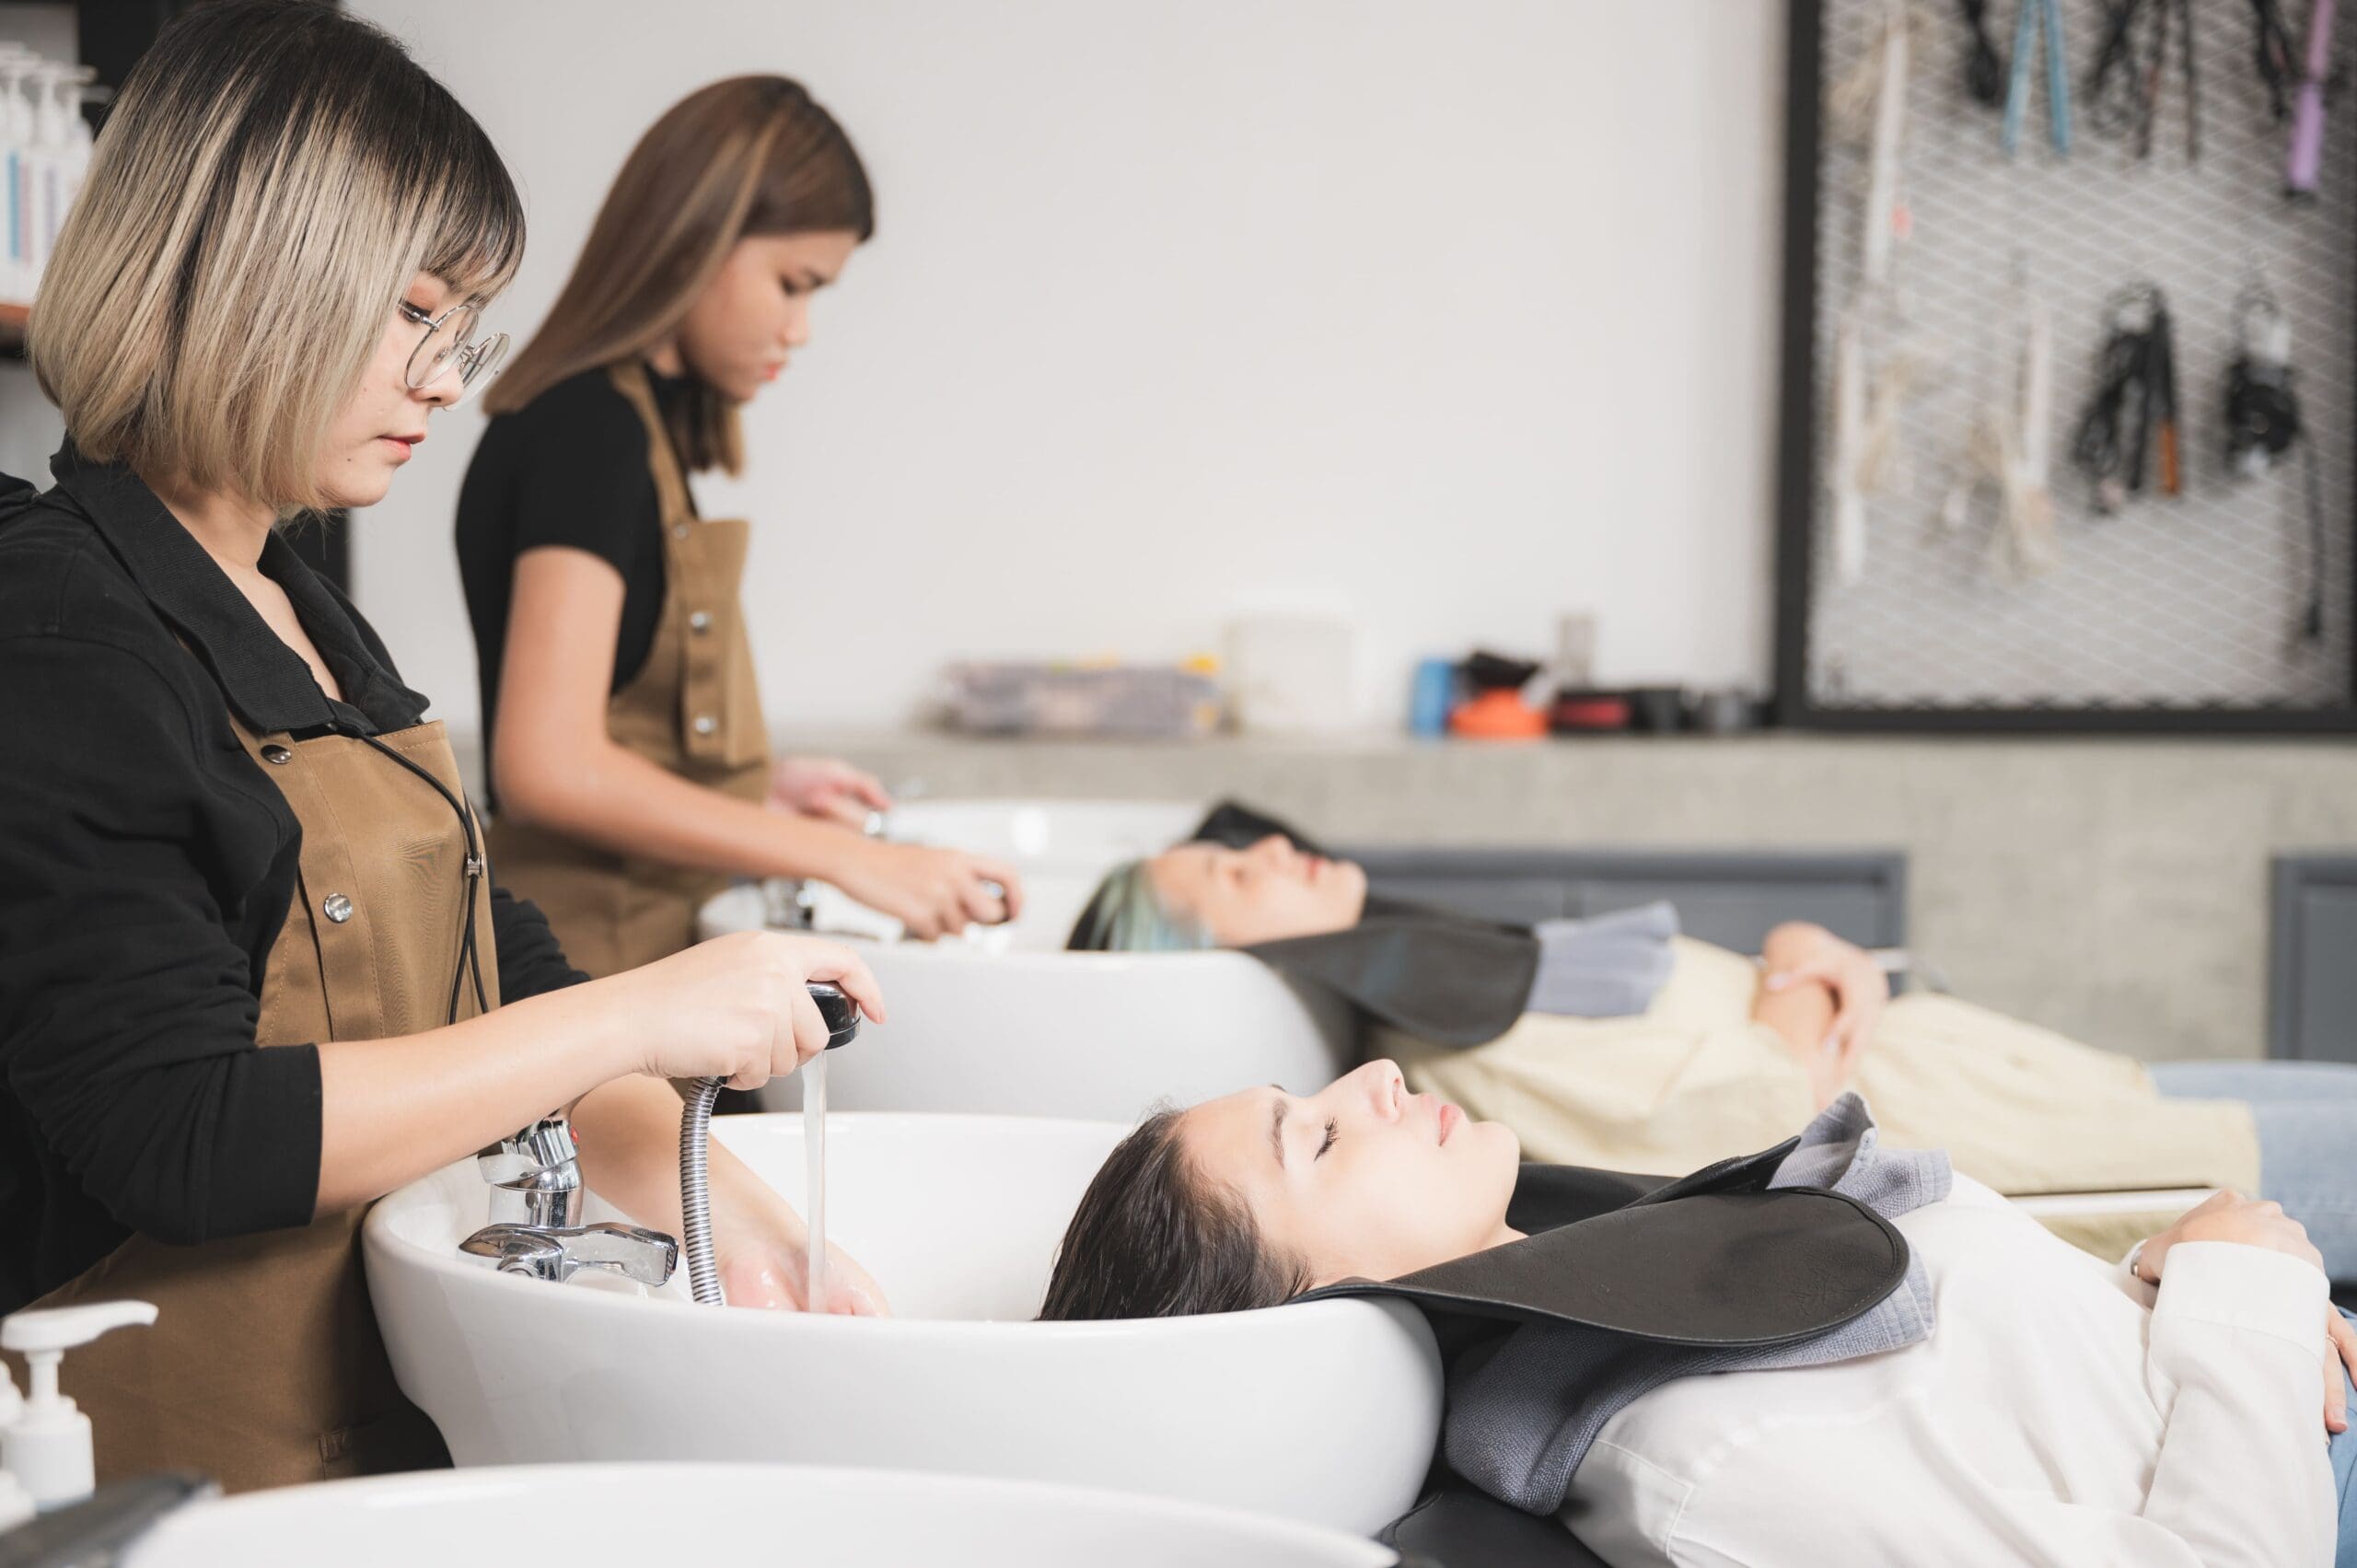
[1362,1178]
[1261,894]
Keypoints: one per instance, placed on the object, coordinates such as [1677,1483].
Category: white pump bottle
[15,1506]
[48,1450]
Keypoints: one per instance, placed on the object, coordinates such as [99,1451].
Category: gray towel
[1605,967]
[1520,1421]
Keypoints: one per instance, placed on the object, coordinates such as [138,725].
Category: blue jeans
[2306,1115]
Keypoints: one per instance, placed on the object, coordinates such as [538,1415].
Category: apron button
[277,756]
[336,907]
[699,622]
[706,724]
[678,531]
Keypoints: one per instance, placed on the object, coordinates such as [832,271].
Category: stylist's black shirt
[570,468]
[145,866]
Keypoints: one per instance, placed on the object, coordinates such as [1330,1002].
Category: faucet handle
[634,1252]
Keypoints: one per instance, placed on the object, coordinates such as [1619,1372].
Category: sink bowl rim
[379,1239]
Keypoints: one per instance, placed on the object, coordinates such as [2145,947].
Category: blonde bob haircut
[745,157]
[271,180]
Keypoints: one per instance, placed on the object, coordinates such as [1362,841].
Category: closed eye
[1332,1135]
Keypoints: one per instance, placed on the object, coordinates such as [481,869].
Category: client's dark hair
[1154,1238]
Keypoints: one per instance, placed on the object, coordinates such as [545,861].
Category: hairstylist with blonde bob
[630,762]
[253,973]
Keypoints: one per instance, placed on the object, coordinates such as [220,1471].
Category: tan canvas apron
[264,1366]
[693,708]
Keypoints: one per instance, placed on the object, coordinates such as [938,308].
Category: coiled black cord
[1984,69]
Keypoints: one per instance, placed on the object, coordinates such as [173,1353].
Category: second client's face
[1263,894]
[1363,1179]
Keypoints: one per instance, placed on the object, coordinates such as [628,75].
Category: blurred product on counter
[1657,710]
[1497,709]
[1294,672]
[1433,697]
[1724,713]
[1131,702]
[1582,711]
[1574,649]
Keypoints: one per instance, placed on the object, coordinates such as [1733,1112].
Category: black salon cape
[1444,977]
[1712,1260]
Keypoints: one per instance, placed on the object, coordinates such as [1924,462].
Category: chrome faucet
[536,1229]
[632,1252]
[535,1176]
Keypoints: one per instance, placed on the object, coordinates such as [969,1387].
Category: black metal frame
[1796,492]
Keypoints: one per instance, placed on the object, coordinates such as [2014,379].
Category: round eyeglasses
[450,344]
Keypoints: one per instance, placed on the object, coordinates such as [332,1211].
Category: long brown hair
[747,155]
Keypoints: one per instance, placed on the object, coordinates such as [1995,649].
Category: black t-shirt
[570,468]
[146,868]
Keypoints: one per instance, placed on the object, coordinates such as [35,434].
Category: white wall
[1462,313]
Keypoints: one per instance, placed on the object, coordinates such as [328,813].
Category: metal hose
[842,1017]
[695,1191]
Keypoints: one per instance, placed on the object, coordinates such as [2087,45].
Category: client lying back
[1902,1368]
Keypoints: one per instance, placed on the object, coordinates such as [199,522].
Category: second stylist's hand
[736,1007]
[932,892]
[828,788]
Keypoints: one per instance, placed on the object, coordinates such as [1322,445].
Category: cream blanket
[1692,1079]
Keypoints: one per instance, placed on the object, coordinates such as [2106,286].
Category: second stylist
[630,767]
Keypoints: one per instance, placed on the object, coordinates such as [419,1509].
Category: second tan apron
[264,1366]
[694,709]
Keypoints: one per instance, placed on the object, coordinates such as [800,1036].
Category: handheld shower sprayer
[695,1138]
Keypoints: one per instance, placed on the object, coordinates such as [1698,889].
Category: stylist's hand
[737,1006]
[933,892]
[1860,990]
[827,789]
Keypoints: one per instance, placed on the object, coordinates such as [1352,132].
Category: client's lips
[1449,1118]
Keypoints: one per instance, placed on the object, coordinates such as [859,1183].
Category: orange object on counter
[1497,714]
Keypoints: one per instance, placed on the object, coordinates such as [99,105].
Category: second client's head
[1207,894]
[1250,1200]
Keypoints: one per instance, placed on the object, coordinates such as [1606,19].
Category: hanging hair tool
[2273,55]
[2134,410]
[2034,18]
[2307,156]
[2263,423]
[2011,446]
[1984,69]
[2124,87]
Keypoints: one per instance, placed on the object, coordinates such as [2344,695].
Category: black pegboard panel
[2187,605]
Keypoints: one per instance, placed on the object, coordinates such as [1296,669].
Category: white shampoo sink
[1003,1021]
[631,1515]
[1325,1412]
